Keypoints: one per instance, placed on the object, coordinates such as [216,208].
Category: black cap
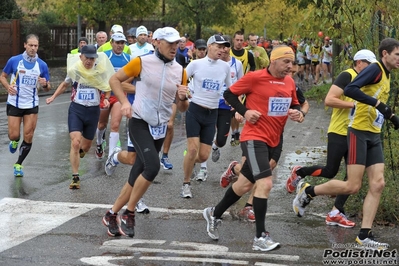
[200,43]
[89,51]
[84,39]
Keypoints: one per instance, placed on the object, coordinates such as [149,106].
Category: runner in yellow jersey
[336,146]
[370,89]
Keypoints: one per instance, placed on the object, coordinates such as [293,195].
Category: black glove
[395,121]
[384,110]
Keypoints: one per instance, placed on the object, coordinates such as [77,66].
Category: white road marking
[22,220]
[204,250]
[104,260]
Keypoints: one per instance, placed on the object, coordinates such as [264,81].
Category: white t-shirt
[137,50]
[208,77]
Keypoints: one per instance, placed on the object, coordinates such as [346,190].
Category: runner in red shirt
[270,100]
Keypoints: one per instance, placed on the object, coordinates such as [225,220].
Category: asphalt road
[42,222]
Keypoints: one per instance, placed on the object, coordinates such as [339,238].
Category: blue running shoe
[166,163]
[13,146]
[18,170]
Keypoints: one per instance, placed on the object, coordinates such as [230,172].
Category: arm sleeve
[233,100]
[300,96]
[370,75]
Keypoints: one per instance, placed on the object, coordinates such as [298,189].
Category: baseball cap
[200,43]
[365,54]
[168,34]
[116,28]
[89,51]
[141,30]
[84,39]
[118,37]
[218,39]
[131,32]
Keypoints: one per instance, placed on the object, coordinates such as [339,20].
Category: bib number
[158,132]
[210,85]
[279,106]
[26,80]
[85,96]
[379,120]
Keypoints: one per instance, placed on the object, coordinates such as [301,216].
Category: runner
[89,74]
[208,75]
[147,126]
[261,133]
[28,72]
[370,89]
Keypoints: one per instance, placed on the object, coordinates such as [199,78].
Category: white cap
[168,34]
[141,30]
[117,28]
[218,39]
[365,54]
[156,34]
[118,37]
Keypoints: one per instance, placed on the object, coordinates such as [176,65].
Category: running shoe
[215,154]
[110,164]
[109,220]
[211,223]
[339,219]
[237,138]
[126,224]
[301,200]
[264,243]
[18,170]
[227,176]
[293,180]
[370,243]
[166,164]
[99,151]
[202,174]
[186,191]
[13,146]
[247,213]
[75,184]
[141,207]
[232,140]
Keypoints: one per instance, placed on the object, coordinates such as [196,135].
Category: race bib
[158,132]
[279,106]
[27,80]
[379,120]
[85,95]
[211,85]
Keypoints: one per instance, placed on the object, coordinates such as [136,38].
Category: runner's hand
[385,110]
[395,121]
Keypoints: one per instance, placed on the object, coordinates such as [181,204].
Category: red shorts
[112,100]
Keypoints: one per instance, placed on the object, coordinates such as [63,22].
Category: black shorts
[201,123]
[307,62]
[315,63]
[365,148]
[15,111]
[257,163]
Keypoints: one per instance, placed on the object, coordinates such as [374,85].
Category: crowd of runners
[238,89]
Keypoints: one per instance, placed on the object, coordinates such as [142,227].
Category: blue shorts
[83,119]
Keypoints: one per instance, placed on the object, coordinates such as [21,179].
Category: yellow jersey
[366,117]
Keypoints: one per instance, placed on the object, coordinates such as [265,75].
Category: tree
[10,10]
[99,12]
[201,13]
